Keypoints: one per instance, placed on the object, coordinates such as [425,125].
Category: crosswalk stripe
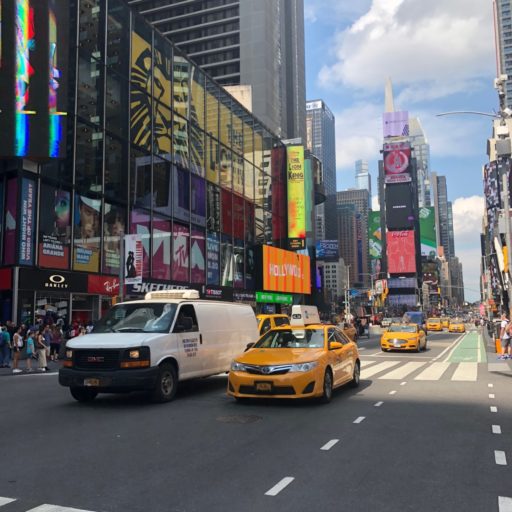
[5,501]
[55,508]
[366,363]
[433,372]
[466,372]
[370,372]
[403,371]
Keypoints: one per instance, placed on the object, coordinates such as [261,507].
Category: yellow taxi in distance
[350,331]
[298,361]
[403,337]
[457,326]
[267,322]
[434,324]
[445,322]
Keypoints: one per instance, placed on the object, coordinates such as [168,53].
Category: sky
[440,57]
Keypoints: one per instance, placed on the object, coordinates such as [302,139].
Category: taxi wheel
[356,376]
[83,394]
[166,384]
[327,394]
[384,349]
[419,347]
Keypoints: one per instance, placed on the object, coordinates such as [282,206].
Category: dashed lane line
[329,445]
[5,501]
[360,419]
[287,480]
[378,404]
[500,457]
[392,392]
[55,508]
[504,504]
[496,429]
[493,408]
[491,395]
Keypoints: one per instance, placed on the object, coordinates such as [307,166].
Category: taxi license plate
[92,382]
[263,386]
[397,343]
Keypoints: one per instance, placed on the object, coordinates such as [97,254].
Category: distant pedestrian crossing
[42,508]
[419,370]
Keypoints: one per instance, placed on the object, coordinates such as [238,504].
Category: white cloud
[333,11]
[436,44]
[467,222]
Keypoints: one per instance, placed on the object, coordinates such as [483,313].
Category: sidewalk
[52,365]
[494,364]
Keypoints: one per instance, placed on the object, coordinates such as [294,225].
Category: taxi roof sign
[304,315]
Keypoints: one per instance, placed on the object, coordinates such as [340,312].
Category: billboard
[428,231]
[296,197]
[397,158]
[33,77]
[285,271]
[327,250]
[374,235]
[399,207]
[401,252]
[133,259]
[395,124]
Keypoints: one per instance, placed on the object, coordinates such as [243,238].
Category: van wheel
[356,376]
[83,394]
[327,388]
[166,384]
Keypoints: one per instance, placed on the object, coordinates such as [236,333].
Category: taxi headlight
[303,367]
[237,367]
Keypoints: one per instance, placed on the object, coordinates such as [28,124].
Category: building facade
[444,216]
[363,178]
[244,43]
[136,140]
[321,141]
[421,152]
[503,42]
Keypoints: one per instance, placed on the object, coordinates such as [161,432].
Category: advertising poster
[27,223]
[285,271]
[213,207]
[198,201]
[140,225]
[10,222]
[395,124]
[197,256]
[397,158]
[374,235]
[278,208]
[399,207]
[401,252]
[180,253]
[161,248]
[54,228]
[133,259]
[227,212]
[181,194]
[213,259]
[226,262]
[113,230]
[238,267]
[296,197]
[86,251]
[327,250]
[249,268]
[238,217]
[428,231]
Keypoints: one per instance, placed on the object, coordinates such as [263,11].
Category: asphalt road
[417,435]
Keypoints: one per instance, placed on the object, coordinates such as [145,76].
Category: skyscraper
[363,178]
[244,43]
[320,140]
[503,36]
[444,216]
[421,152]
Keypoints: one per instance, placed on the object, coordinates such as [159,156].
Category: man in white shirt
[505,337]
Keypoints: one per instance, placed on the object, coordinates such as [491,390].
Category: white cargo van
[152,344]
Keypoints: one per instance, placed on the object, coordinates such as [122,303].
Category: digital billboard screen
[296,197]
[33,78]
[327,250]
[374,235]
[401,252]
[397,160]
[285,271]
[428,231]
[399,206]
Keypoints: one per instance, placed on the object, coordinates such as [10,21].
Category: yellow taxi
[296,361]
[404,336]
[457,326]
[267,322]
[434,324]
[350,331]
[445,322]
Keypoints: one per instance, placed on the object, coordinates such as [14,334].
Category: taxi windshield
[433,320]
[402,328]
[137,317]
[293,338]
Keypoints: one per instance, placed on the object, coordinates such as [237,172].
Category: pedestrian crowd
[35,344]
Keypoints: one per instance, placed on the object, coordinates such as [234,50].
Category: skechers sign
[296,197]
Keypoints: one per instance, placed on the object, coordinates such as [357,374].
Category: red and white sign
[133,259]
[103,285]
[397,157]
[401,252]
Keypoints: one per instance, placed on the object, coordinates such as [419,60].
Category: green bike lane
[470,349]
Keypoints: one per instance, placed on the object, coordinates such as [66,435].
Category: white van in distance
[152,344]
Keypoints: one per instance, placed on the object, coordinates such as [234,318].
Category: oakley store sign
[50,280]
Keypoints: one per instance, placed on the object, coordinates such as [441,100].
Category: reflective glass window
[227,212]
[116,159]
[90,90]
[180,140]
[226,171]
[249,180]
[181,194]
[162,187]
[212,109]
[226,261]
[197,150]
[161,248]
[87,221]
[212,207]
[89,158]
[114,227]
[238,174]
[162,77]
[248,138]
[213,258]
[181,86]
[118,37]
[212,161]
[90,28]
[116,99]
[198,200]
[140,179]
[180,252]
[162,130]
[198,256]
[225,126]
[197,97]
[140,224]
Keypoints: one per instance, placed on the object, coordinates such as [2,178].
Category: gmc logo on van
[95,359]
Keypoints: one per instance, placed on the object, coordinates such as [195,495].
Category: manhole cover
[239,419]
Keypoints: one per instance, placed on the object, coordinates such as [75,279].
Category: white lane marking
[433,372]
[330,444]
[496,429]
[360,419]
[504,504]
[39,374]
[365,363]
[491,395]
[55,508]
[500,457]
[370,372]
[378,404]
[466,372]
[5,501]
[403,383]
[454,344]
[490,385]
[403,371]
[494,408]
[392,392]
[287,480]
[361,348]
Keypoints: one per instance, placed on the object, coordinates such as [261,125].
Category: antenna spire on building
[389,102]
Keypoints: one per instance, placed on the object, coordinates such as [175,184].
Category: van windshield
[137,317]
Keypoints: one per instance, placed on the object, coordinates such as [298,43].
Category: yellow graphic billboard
[296,197]
[285,271]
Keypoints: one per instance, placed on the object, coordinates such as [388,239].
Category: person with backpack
[505,328]
[17,347]
[31,350]
[5,344]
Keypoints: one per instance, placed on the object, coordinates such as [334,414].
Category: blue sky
[440,57]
